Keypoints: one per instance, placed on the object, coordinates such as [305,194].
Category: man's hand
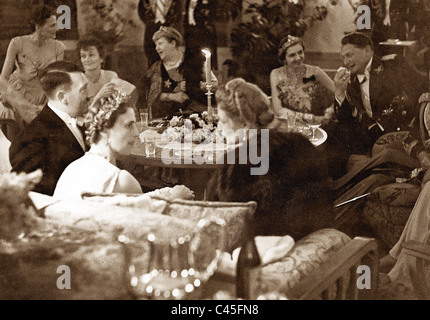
[341,80]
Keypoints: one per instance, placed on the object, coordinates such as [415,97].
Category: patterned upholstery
[391,140]
[388,208]
[306,256]
[233,213]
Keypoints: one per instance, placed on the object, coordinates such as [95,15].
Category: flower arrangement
[17,213]
[197,128]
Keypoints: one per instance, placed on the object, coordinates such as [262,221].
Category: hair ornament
[100,113]
[287,42]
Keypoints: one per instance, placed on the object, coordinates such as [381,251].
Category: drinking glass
[144,117]
[291,118]
[150,145]
[313,124]
[166,266]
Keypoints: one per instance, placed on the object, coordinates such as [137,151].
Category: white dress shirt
[71,124]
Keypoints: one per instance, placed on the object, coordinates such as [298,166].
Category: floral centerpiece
[197,129]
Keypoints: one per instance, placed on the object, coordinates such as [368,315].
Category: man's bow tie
[311,78]
[75,122]
[72,122]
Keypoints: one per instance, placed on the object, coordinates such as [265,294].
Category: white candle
[208,68]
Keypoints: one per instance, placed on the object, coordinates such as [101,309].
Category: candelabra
[209,95]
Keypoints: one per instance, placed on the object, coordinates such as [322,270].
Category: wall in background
[324,36]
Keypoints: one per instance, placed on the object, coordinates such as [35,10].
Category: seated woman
[175,81]
[92,54]
[299,88]
[111,131]
[294,195]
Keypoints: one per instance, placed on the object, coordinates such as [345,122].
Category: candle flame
[206,52]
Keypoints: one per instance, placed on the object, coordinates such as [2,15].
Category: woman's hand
[107,90]
[183,85]
[178,97]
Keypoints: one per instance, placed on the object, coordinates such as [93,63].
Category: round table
[191,173]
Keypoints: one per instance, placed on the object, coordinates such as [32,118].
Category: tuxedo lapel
[59,127]
[375,84]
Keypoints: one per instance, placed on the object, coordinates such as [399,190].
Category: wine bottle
[247,270]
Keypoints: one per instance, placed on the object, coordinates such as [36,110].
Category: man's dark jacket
[46,143]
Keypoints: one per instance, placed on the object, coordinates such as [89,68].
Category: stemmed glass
[313,124]
[172,268]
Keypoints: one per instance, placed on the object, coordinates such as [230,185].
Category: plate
[320,134]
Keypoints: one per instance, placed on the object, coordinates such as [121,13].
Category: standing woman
[297,87]
[30,54]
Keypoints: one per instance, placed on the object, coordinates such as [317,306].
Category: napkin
[270,248]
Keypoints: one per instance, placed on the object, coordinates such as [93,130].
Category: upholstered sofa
[83,235]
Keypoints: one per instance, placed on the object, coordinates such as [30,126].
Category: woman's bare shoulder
[127,183]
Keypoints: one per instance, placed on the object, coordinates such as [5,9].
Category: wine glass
[313,124]
[163,267]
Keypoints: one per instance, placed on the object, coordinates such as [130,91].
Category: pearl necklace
[100,154]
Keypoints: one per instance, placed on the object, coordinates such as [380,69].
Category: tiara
[108,105]
[290,41]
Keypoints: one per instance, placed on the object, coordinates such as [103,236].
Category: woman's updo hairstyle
[246,102]
[91,41]
[103,113]
[39,15]
[170,33]
[286,43]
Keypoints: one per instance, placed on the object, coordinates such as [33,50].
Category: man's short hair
[57,74]
[357,39]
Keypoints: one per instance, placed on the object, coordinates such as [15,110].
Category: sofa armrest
[341,268]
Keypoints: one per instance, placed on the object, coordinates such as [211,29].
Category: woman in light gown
[111,131]
[30,54]
[300,88]
[396,263]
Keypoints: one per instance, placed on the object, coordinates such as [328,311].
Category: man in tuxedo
[373,97]
[54,139]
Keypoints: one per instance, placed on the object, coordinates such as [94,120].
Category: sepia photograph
[224,157]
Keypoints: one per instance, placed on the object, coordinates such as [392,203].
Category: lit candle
[208,70]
